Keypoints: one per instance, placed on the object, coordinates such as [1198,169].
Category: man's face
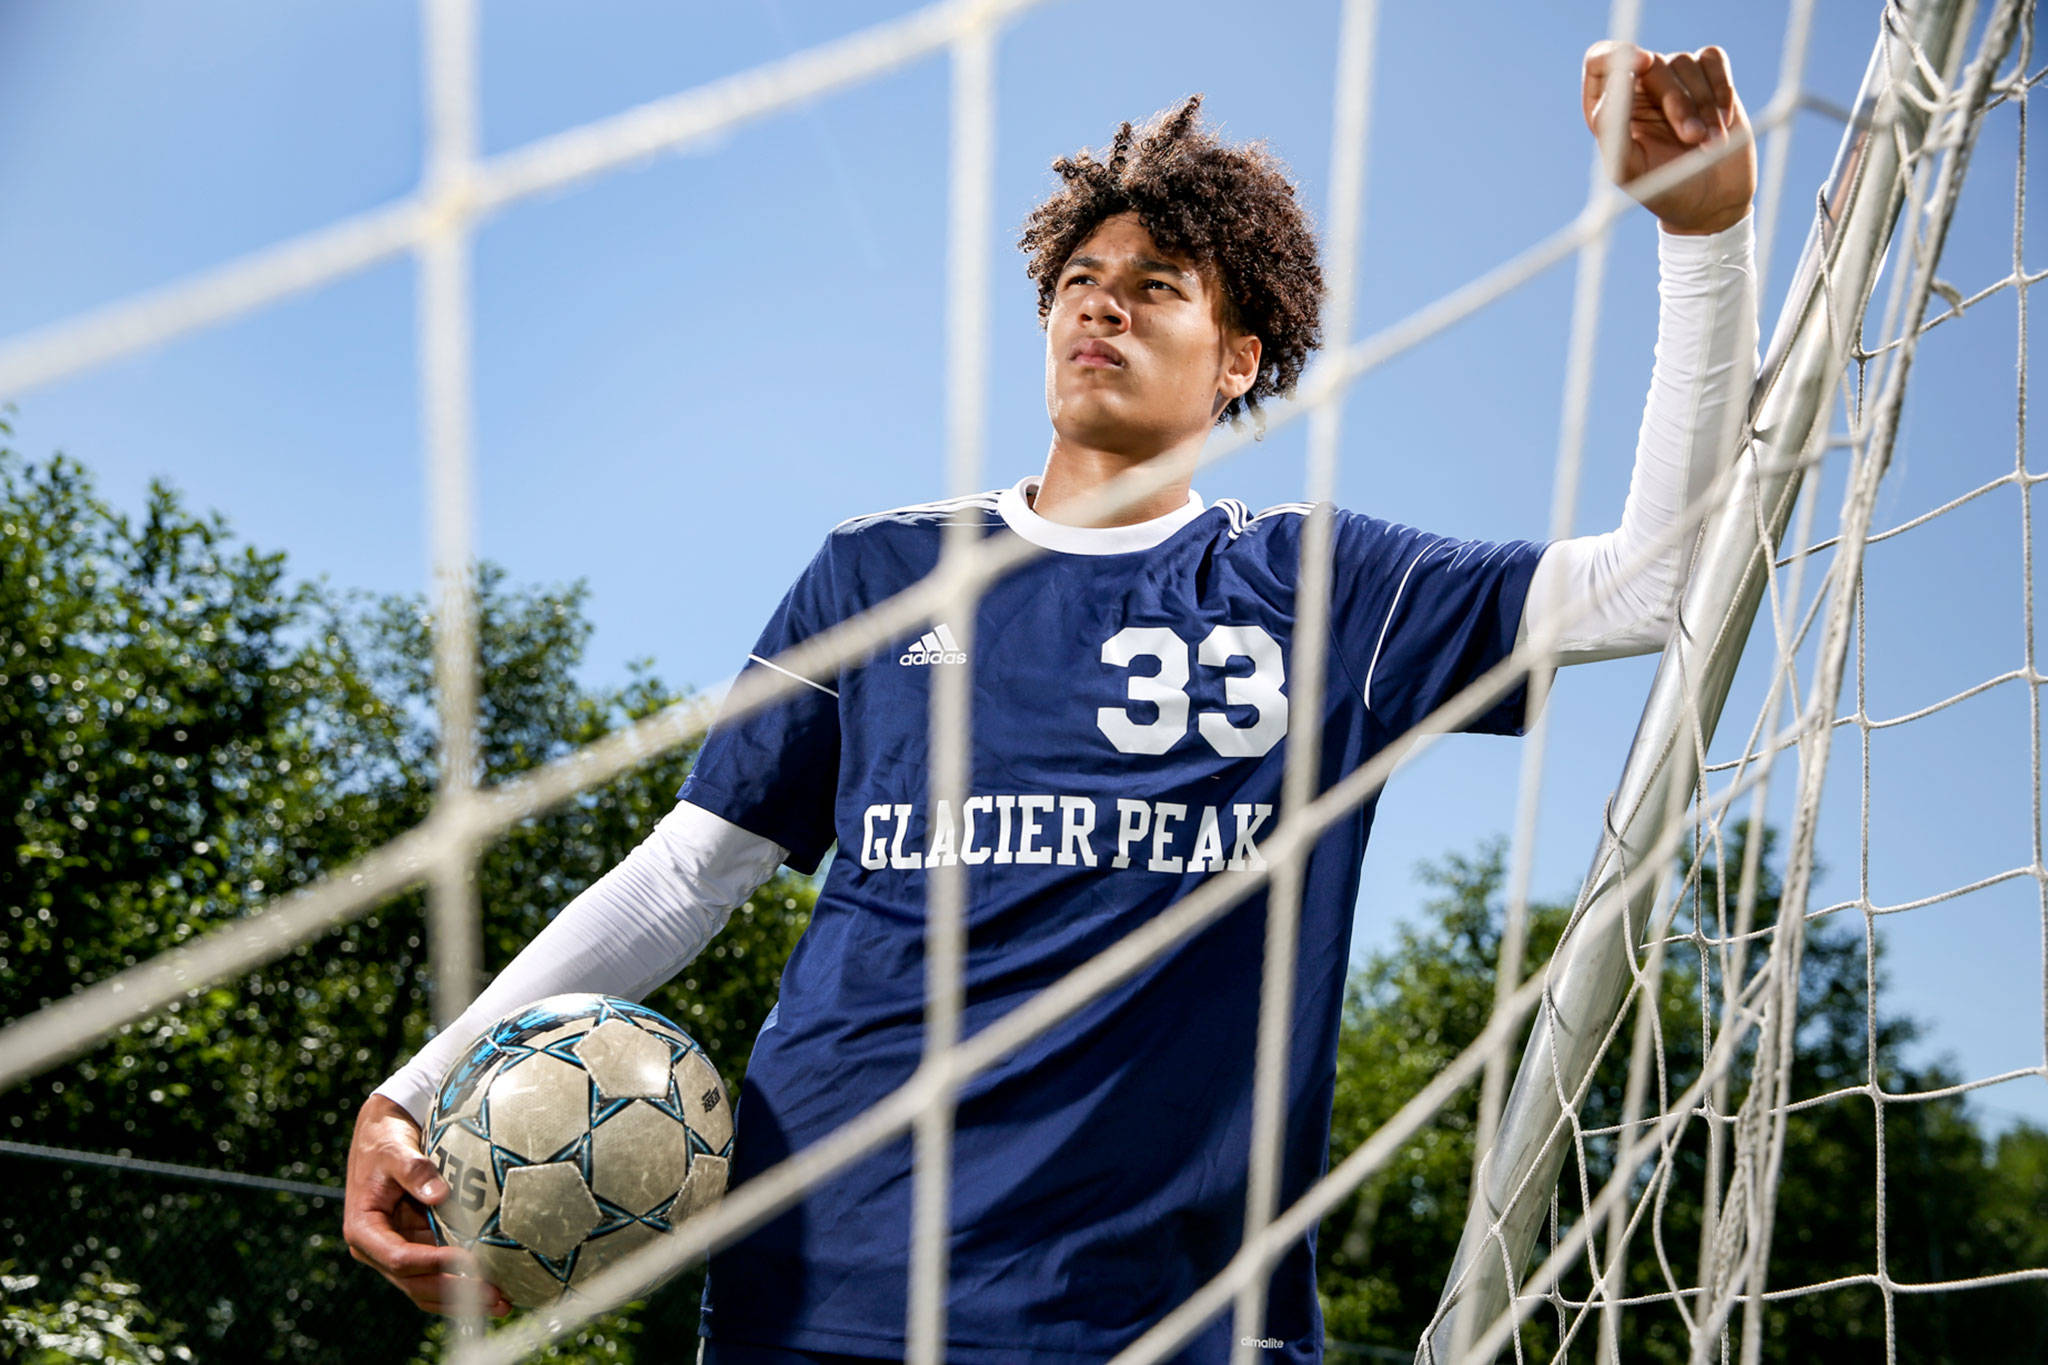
[1137,358]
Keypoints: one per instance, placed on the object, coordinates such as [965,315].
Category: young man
[1130,702]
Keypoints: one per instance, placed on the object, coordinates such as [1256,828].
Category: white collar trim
[1015,505]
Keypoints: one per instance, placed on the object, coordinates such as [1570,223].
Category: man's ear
[1241,352]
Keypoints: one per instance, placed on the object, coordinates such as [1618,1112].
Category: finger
[453,1295]
[451,1309]
[1721,80]
[390,1152]
[1663,86]
[412,1222]
[373,1239]
[411,1260]
[1602,57]
[421,1178]
[1686,68]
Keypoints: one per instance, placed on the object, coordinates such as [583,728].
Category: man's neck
[1074,473]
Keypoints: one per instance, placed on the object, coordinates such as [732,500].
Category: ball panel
[704,1101]
[609,1248]
[461,1091]
[679,1041]
[580,1009]
[641,1015]
[701,1187]
[547,1208]
[626,1062]
[518,1275]
[538,1105]
[638,1158]
[540,1038]
[463,1157]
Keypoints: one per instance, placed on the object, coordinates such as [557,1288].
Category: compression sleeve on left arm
[1705,362]
[631,930]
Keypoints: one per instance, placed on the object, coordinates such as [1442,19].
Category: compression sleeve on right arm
[634,928]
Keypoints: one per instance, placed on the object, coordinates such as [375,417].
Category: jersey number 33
[1165,690]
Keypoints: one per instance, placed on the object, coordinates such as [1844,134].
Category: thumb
[1602,57]
[422,1180]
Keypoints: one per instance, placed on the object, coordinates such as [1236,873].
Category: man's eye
[1080,279]
[1162,284]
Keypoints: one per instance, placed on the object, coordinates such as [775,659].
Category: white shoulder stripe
[1239,515]
[1387,624]
[769,663]
[986,501]
[1299,509]
[1242,518]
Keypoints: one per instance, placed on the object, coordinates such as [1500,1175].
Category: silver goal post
[1915,55]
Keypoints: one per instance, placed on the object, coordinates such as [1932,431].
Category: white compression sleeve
[1706,360]
[634,928]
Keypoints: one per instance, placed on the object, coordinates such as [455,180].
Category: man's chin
[1101,426]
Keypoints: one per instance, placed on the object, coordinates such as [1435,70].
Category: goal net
[1662,1069]
[1658,1044]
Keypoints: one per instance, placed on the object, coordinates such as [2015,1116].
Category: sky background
[686,373]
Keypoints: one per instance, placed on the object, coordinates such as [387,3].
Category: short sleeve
[775,772]
[1419,617]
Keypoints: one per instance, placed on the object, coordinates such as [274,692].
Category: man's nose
[1100,305]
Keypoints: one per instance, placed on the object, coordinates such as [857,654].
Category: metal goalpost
[1914,122]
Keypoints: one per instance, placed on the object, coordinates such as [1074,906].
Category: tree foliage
[187,733]
[1958,1205]
[100,1318]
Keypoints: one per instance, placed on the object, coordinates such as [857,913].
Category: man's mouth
[1097,354]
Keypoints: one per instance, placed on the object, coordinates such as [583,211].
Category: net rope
[1734,1252]
[460,189]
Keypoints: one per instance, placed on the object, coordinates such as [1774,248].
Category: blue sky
[686,373]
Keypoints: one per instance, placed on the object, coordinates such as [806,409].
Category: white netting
[1720,1121]
[1739,1092]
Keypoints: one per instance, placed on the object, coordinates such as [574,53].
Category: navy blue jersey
[1129,713]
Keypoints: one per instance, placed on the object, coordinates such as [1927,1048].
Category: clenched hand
[1679,101]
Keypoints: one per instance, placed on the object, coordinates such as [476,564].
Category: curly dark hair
[1230,209]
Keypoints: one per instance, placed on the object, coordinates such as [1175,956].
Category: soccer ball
[573,1132]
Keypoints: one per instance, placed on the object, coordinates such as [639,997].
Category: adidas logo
[936,646]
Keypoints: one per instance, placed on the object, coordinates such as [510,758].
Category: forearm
[1616,593]
[633,929]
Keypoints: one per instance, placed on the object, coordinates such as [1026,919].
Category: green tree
[1959,1205]
[99,1318]
[608,1340]
[186,732]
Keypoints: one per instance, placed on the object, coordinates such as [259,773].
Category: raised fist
[1678,101]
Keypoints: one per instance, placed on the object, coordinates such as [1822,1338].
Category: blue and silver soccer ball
[574,1131]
